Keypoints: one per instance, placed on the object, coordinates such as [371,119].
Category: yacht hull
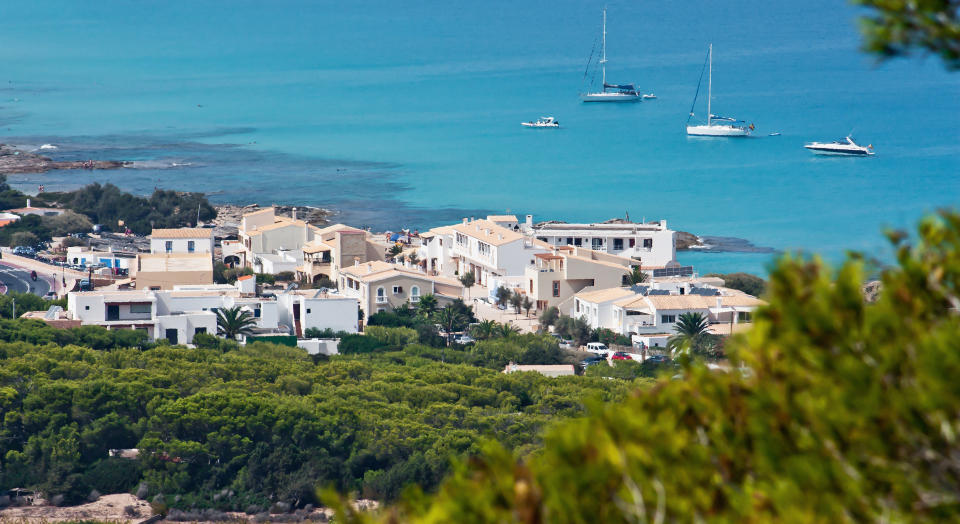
[721,131]
[838,152]
[609,97]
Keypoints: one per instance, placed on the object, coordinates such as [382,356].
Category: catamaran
[610,92]
[727,126]
[846,147]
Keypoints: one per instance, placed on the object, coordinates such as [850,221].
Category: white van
[597,347]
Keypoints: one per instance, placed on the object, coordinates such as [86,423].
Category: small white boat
[774,134]
[648,96]
[845,147]
[545,121]
[731,126]
[609,92]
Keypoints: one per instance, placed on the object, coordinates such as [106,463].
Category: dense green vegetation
[107,204]
[264,422]
[833,410]
[749,284]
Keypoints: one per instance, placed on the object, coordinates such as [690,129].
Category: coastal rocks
[687,241]
[229,216]
[13,161]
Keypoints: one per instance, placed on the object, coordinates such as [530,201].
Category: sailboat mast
[710,87]
[603,50]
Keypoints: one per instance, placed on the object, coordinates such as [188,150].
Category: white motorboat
[609,92]
[845,147]
[545,121]
[648,96]
[716,125]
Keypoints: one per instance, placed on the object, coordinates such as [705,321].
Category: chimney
[529,221]
[356,262]
[499,236]
[294,213]
[719,302]
[369,268]
[28,202]
[465,220]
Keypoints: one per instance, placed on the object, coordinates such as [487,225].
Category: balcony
[414,299]
[381,300]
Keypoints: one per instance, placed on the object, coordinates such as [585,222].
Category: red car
[621,355]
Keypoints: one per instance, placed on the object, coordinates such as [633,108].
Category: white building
[178,314]
[489,250]
[650,312]
[308,308]
[139,310]
[651,243]
[183,240]
[82,256]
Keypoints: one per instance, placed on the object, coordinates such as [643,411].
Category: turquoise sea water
[406,114]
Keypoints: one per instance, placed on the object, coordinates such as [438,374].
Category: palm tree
[233,322]
[413,258]
[527,304]
[636,276]
[450,320]
[484,330]
[691,328]
[516,300]
[427,305]
[468,279]
[505,331]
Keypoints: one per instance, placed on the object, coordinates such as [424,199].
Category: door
[171,335]
[113,312]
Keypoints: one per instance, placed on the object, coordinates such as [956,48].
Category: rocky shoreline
[229,216]
[15,161]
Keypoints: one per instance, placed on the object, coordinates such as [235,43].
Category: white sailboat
[728,126]
[610,92]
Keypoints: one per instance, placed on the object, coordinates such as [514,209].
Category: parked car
[597,347]
[658,359]
[50,295]
[24,251]
[592,360]
[567,344]
[463,339]
[621,355]
[86,285]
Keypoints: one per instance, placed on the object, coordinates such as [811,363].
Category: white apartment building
[652,243]
[182,240]
[490,251]
[650,312]
[180,313]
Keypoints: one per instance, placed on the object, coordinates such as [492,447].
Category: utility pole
[14,316]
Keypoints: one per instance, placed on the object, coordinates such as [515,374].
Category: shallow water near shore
[408,115]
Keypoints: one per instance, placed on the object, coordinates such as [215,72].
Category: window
[461,239]
[633,242]
[140,308]
[597,244]
[744,316]
[256,313]
[648,242]
[483,248]
[578,242]
[397,290]
[191,246]
[381,297]
[668,319]
[86,308]
[569,241]
[308,311]
[556,288]
[531,285]
[199,330]
[168,245]
[618,244]
[577,304]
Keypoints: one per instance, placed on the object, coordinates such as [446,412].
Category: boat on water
[609,92]
[845,147]
[649,96]
[544,121]
[715,125]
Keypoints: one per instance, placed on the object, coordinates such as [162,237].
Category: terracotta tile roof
[183,232]
[376,271]
[245,277]
[605,295]
[487,231]
[502,218]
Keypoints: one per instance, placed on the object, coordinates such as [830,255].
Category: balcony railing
[381,300]
[414,298]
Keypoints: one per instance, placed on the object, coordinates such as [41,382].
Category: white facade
[306,309]
[651,243]
[82,256]
[490,250]
[139,310]
[186,240]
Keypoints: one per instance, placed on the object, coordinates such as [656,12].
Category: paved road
[18,280]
